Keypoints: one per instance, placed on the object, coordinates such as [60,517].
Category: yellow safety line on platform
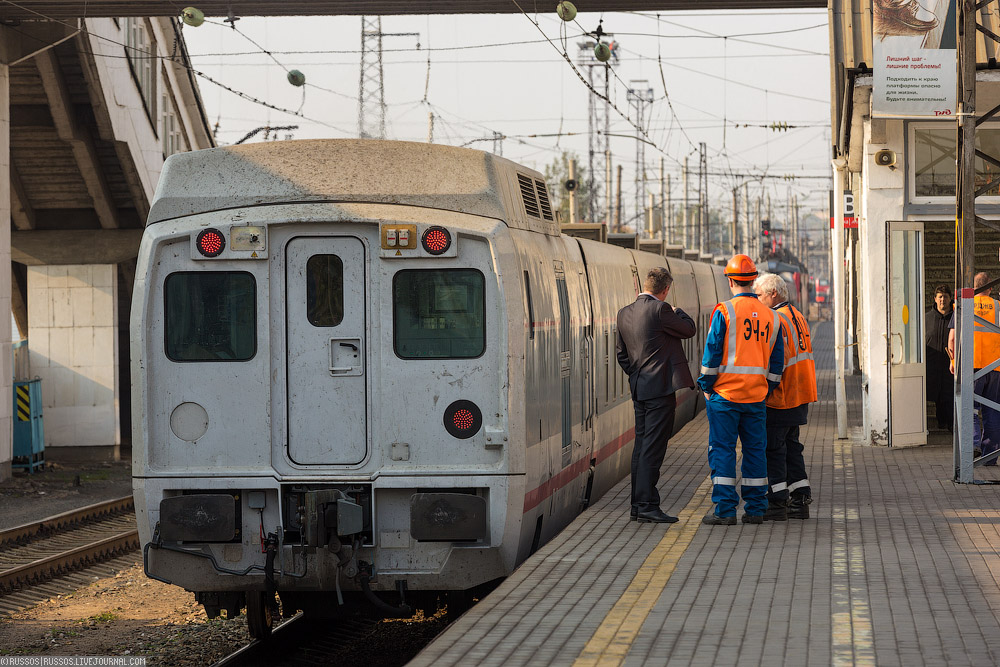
[851,618]
[613,639]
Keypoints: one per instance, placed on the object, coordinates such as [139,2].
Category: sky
[721,78]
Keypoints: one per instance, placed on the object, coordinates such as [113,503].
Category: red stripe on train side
[535,497]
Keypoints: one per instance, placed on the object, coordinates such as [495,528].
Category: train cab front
[330,415]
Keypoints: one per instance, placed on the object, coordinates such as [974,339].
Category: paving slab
[898,565]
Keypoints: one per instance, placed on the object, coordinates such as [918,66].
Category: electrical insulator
[192,16]
[602,52]
[296,78]
[566,10]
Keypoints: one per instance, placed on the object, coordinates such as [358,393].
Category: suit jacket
[649,347]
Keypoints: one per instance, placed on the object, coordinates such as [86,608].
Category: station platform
[896,566]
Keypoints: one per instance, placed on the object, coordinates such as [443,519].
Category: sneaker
[711,519]
[752,518]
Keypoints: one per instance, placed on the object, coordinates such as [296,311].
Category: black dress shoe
[655,516]
[635,514]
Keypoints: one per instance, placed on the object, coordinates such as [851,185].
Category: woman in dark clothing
[940,382]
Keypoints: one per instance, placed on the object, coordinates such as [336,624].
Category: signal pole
[572,193]
[639,98]
[747,237]
[598,116]
[608,189]
[618,202]
[736,220]
[684,205]
[702,200]
[371,94]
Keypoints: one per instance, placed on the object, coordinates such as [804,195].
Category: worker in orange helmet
[742,364]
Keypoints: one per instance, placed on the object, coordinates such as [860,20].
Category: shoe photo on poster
[931,20]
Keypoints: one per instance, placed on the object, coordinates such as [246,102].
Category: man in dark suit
[649,351]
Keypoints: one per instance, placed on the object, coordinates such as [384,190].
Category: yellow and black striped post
[23,403]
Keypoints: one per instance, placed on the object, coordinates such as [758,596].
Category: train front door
[907,390]
[325,292]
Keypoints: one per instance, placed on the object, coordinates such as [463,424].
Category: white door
[907,388]
[325,291]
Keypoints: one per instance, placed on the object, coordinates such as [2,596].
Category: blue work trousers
[748,422]
[986,429]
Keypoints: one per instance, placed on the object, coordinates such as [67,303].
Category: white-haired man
[788,493]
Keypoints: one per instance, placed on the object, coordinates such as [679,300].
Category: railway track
[303,642]
[33,554]
[306,641]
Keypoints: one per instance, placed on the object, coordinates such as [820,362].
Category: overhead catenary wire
[652,133]
[614,106]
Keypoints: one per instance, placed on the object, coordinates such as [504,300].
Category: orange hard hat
[741,267]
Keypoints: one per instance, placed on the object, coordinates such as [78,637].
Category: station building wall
[882,195]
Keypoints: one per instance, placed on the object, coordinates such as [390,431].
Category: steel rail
[257,649]
[88,554]
[59,522]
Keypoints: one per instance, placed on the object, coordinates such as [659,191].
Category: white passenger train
[373,371]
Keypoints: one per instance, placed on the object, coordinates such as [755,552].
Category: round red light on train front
[436,240]
[210,242]
[463,419]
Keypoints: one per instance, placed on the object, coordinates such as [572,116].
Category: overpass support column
[6,373]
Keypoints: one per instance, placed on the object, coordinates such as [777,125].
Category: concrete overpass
[85,126]
[70,9]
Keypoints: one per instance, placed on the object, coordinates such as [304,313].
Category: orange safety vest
[798,381]
[751,332]
[985,344]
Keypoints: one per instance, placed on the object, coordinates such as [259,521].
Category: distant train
[796,279]
[372,372]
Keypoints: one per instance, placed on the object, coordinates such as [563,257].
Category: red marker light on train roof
[210,242]
[463,419]
[436,240]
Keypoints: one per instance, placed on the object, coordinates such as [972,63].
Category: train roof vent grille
[543,200]
[528,195]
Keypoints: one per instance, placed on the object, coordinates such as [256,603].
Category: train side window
[325,290]
[439,313]
[210,316]
[531,308]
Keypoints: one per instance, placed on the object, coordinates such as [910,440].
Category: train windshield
[439,314]
[210,316]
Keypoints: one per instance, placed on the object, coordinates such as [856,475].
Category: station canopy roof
[67,9]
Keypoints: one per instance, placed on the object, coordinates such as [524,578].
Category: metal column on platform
[966,192]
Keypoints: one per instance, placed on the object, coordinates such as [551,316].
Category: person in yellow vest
[985,350]
[742,364]
[789,494]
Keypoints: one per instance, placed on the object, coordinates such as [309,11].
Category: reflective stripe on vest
[798,383]
[751,333]
[985,344]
